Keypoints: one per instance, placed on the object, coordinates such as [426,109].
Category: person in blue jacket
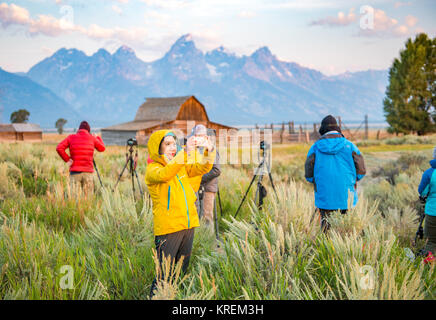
[427,188]
[333,165]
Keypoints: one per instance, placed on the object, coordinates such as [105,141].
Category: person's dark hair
[168,135]
[85,125]
[329,124]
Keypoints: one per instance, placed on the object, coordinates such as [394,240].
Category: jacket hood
[154,144]
[331,143]
[433,163]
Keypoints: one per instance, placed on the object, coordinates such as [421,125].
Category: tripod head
[131,143]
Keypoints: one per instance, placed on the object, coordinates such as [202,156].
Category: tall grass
[276,253]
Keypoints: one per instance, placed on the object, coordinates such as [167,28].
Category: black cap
[329,124]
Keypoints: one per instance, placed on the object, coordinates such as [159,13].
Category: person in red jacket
[80,160]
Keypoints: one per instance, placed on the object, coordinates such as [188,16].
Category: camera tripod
[132,162]
[259,173]
[420,231]
[98,174]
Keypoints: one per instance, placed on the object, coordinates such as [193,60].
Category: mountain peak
[222,50]
[64,52]
[101,53]
[184,41]
[125,50]
[264,51]
[264,55]
[184,47]
[185,38]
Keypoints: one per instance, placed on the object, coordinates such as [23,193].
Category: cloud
[385,26]
[340,20]
[13,14]
[159,19]
[167,4]
[411,20]
[399,4]
[53,27]
[372,23]
[246,14]
[116,9]
[303,4]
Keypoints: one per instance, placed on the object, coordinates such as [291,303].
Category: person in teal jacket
[427,188]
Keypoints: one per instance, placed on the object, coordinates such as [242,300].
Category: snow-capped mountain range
[107,88]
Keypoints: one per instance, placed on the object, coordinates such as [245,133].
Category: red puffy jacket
[81,147]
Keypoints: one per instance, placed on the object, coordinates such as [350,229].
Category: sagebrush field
[277,253]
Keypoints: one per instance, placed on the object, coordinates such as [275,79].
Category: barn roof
[6,128]
[20,127]
[134,125]
[162,109]
[156,111]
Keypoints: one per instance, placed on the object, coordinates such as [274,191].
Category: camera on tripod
[132,142]
[264,145]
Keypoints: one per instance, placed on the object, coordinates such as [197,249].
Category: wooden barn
[20,132]
[161,113]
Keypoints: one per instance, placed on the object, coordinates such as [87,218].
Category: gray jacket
[210,180]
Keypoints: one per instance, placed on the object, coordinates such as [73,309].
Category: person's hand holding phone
[206,143]
[190,144]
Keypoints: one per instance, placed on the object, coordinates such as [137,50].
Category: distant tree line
[22,116]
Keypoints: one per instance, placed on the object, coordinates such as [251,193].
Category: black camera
[132,142]
[264,146]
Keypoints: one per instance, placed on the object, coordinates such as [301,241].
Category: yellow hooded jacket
[170,190]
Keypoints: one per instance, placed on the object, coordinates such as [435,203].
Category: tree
[60,125]
[410,100]
[20,116]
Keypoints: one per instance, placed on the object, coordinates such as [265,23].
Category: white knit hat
[199,129]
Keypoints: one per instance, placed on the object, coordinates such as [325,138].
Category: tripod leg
[215,211]
[132,176]
[122,171]
[98,174]
[272,184]
[246,193]
[139,184]
[259,193]
[219,202]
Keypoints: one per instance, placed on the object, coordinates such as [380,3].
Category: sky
[332,36]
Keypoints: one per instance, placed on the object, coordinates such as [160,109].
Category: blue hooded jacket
[427,187]
[334,165]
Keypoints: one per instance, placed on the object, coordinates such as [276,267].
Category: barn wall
[116,138]
[7,136]
[32,136]
[192,110]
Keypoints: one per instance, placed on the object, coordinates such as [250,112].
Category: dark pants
[325,225]
[430,233]
[175,245]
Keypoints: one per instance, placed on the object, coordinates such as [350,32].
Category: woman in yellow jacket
[167,178]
